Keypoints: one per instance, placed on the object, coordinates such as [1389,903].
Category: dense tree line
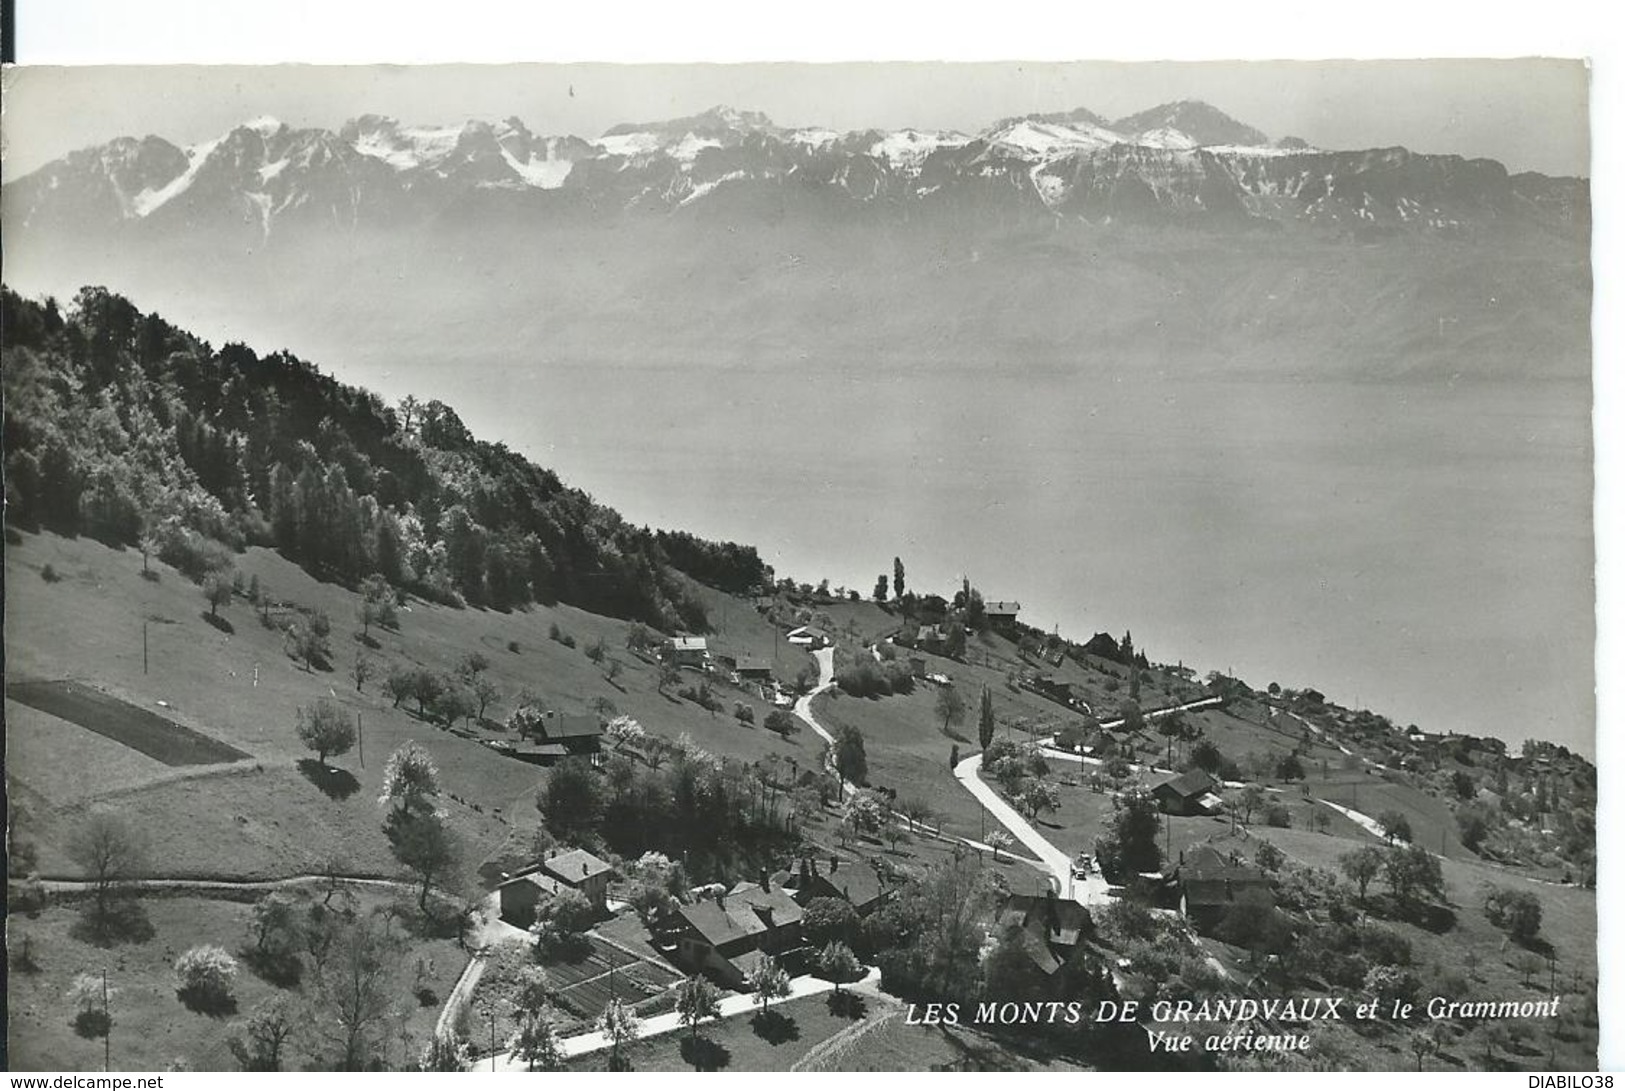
[720,816]
[118,425]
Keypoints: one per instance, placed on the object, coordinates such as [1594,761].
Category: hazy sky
[1530,114]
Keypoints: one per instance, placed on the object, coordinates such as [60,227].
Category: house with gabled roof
[1001,614]
[726,934]
[1052,927]
[571,869]
[809,636]
[1210,885]
[1190,793]
[752,669]
[688,651]
[856,882]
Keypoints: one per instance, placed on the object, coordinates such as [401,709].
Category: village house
[688,651]
[726,934]
[1191,793]
[1210,886]
[554,736]
[577,734]
[751,669]
[809,636]
[854,882]
[1001,615]
[572,869]
[1051,927]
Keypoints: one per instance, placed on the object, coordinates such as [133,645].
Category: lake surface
[1423,551]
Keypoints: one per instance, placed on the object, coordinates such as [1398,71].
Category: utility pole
[360,740]
[493,1039]
[107,1018]
[143,647]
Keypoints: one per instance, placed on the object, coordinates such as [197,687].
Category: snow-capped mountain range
[1182,162]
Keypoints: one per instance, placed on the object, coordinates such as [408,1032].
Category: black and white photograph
[996,566]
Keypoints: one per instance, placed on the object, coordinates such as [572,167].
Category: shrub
[1517,911]
[49,574]
[190,553]
[1395,826]
[1276,814]
[781,722]
[206,973]
[744,713]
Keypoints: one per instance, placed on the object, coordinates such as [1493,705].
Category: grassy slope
[256,818]
[152,1028]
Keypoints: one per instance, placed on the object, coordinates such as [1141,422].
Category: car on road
[1082,865]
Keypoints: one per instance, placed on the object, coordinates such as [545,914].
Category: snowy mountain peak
[1203,124]
[1181,161]
[266,125]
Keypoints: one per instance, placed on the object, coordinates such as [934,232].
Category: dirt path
[66,886]
[832,1049]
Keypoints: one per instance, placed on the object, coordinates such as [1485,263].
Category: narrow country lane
[738,1004]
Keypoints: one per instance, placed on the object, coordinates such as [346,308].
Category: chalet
[725,662]
[855,882]
[688,651]
[751,669]
[809,636]
[726,934]
[1052,927]
[931,636]
[575,869]
[537,753]
[1211,885]
[1001,614]
[1189,793]
[577,734]
[1053,689]
[520,895]
[764,603]
[582,871]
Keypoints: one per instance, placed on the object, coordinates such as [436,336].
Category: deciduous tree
[326,728]
[768,982]
[108,851]
[697,1001]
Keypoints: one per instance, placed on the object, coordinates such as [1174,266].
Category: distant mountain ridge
[1183,163]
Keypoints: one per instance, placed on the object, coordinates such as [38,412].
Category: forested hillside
[124,428]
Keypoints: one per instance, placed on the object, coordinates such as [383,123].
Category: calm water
[1422,551]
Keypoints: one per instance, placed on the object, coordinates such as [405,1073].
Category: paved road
[1090,890]
[826,679]
[738,1004]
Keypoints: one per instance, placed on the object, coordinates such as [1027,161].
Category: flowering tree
[837,963]
[697,1001]
[624,731]
[768,982]
[411,781]
[619,1025]
[205,975]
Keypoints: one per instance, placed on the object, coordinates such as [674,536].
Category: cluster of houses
[722,932]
